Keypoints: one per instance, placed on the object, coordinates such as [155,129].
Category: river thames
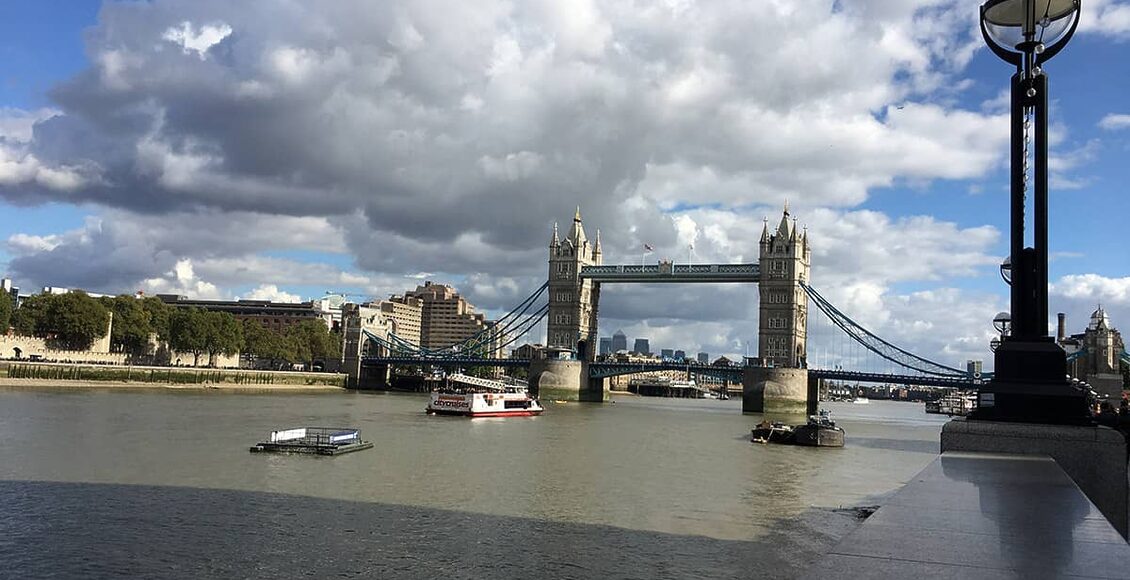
[160,484]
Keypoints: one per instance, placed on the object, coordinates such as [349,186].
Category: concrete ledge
[1094,457]
[982,515]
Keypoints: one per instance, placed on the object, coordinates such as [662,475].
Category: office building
[619,341]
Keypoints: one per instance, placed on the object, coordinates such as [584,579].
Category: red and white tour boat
[476,397]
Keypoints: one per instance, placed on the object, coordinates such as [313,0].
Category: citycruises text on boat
[477,397]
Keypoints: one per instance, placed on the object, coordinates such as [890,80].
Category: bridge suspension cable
[877,345]
[511,326]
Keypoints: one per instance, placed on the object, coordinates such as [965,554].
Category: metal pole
[1020,278]
[1040,211]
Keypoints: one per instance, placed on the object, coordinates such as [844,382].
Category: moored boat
[820,431]
[477,397]
[772,432]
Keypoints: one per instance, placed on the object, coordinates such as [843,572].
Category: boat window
[522,404]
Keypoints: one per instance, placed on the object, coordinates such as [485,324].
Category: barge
[819,431]
[314,441]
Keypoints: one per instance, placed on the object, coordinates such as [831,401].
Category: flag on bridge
[648,248]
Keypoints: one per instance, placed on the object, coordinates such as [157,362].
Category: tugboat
[477,397]
[820,431]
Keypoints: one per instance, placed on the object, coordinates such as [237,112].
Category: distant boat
[861,400]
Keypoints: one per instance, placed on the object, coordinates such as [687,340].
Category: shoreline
[6,382]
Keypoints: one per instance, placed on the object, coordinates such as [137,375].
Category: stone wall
[32,345]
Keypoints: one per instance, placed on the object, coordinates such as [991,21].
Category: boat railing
[320,436]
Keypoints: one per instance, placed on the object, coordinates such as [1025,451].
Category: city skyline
[190,147]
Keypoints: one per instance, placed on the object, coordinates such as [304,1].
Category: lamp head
[1037,28]
[1002,322]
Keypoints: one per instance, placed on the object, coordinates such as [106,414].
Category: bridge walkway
[980,515]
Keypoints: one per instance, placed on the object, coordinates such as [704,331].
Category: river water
[160,484]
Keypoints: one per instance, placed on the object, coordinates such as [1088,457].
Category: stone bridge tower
[572,300]
[783,318]
[781,384]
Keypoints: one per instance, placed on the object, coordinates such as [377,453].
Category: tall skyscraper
[680,355]
[619,341]
[667,353]
[605,345]
[641,346]
[704,358]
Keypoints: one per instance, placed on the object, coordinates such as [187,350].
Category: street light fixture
[1003,323]
[1028,382]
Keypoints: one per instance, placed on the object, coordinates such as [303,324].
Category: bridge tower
[780,385]
[573,300]
[783,317]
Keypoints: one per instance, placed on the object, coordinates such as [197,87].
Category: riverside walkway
[980,516]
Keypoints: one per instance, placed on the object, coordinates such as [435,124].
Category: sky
[284,149]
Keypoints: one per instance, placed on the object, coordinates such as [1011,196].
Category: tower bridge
[780,381]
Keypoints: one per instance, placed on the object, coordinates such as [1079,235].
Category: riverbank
[55,384]
[56,374]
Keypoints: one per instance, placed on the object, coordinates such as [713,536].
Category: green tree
[5,311]
[132,325]
[73,319]
[223,335]
[159,314]
[27,319]
[312,341]
[263,343]
[188,332]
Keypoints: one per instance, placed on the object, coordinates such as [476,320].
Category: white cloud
[28,244]
[199,41]
[17,124]
[1105,17]
[272,293]
[1093,287]
[182,280]
[1115,121]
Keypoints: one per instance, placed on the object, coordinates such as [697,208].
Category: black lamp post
[1028,382]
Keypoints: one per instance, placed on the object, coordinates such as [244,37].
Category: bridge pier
[565,380]
[779,391]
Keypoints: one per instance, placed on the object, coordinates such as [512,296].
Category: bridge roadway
[673,273]
[599,370]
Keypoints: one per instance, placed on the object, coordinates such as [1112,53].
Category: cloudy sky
[284,148]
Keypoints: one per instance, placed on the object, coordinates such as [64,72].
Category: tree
[132,325]
[223,335]
[188,332]
[312,341]
[27,319]
[159,314]
[74,320]
[261,342]
[5,311]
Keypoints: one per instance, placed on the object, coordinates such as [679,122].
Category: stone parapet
[1093,456]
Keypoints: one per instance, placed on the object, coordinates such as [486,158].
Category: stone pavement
[982,515]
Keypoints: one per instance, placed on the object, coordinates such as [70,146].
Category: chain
[1028,116]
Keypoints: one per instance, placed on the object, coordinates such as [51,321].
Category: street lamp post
[1028,382]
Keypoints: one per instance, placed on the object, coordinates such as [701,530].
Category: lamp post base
[1030,385]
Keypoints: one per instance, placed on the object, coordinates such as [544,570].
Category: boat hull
[818,436]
